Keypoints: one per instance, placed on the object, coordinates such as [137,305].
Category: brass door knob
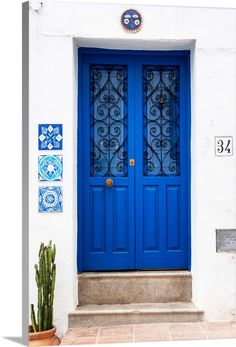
[109,182]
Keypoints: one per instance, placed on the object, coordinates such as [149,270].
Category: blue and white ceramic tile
[50,167]
[131,20]
[50,136]
[50,199]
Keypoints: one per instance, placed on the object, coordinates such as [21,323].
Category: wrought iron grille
[108,120]
[161,143]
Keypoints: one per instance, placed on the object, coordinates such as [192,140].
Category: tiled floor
[150,332]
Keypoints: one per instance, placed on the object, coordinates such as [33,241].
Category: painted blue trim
[139,163]
[84,50]
[79,167]
[189,175]
[167,57]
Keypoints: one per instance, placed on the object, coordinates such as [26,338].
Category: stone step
[134,287]
[102,315]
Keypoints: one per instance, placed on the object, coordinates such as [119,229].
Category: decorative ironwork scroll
[161,120]
[108,120]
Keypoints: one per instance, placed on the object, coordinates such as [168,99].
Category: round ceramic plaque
[131,21]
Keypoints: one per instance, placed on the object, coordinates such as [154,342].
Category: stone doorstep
[98,315]
[135,274]
[134,286]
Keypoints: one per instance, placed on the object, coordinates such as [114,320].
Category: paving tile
[67,341]
[115,339]
[150,328]
[68,333]
[84,341]
[82,331]
[151,332]
[219,330]
[233,323]
[116,330]
[223,336]
[152,337]
[216,326]
[188,336]
[78,341]
[188,328]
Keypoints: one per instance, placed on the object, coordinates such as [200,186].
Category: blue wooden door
[133,184]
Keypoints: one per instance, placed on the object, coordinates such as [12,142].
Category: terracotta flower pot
[43,338]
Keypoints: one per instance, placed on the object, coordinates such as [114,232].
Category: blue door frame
[148,216]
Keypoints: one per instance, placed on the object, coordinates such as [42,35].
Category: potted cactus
[42,331]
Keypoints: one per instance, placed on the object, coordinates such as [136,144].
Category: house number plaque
[226,240]
[223,146]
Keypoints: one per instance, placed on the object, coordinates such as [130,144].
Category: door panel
[173,213]
[121,220]
[151,219]
[98,220]
[134,106]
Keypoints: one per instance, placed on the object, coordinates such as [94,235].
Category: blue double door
[133,178]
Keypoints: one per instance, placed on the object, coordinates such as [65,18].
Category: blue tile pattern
[50,136]
[50,167]
[50,199]
[131,20]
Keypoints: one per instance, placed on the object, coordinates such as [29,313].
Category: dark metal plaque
[225,240]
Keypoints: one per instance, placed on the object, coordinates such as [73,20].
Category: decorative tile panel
[50,167]
[131,20]
[50,199]
[50,136]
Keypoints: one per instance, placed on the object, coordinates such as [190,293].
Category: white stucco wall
[56,30]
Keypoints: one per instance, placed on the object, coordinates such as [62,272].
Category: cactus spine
[45,277]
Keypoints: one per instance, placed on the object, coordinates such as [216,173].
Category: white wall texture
[57,29]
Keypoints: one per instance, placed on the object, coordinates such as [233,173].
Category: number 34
[224,146]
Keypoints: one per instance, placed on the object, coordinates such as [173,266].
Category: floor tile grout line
[168,328]
[98,336]
[203,330]
[133,333]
